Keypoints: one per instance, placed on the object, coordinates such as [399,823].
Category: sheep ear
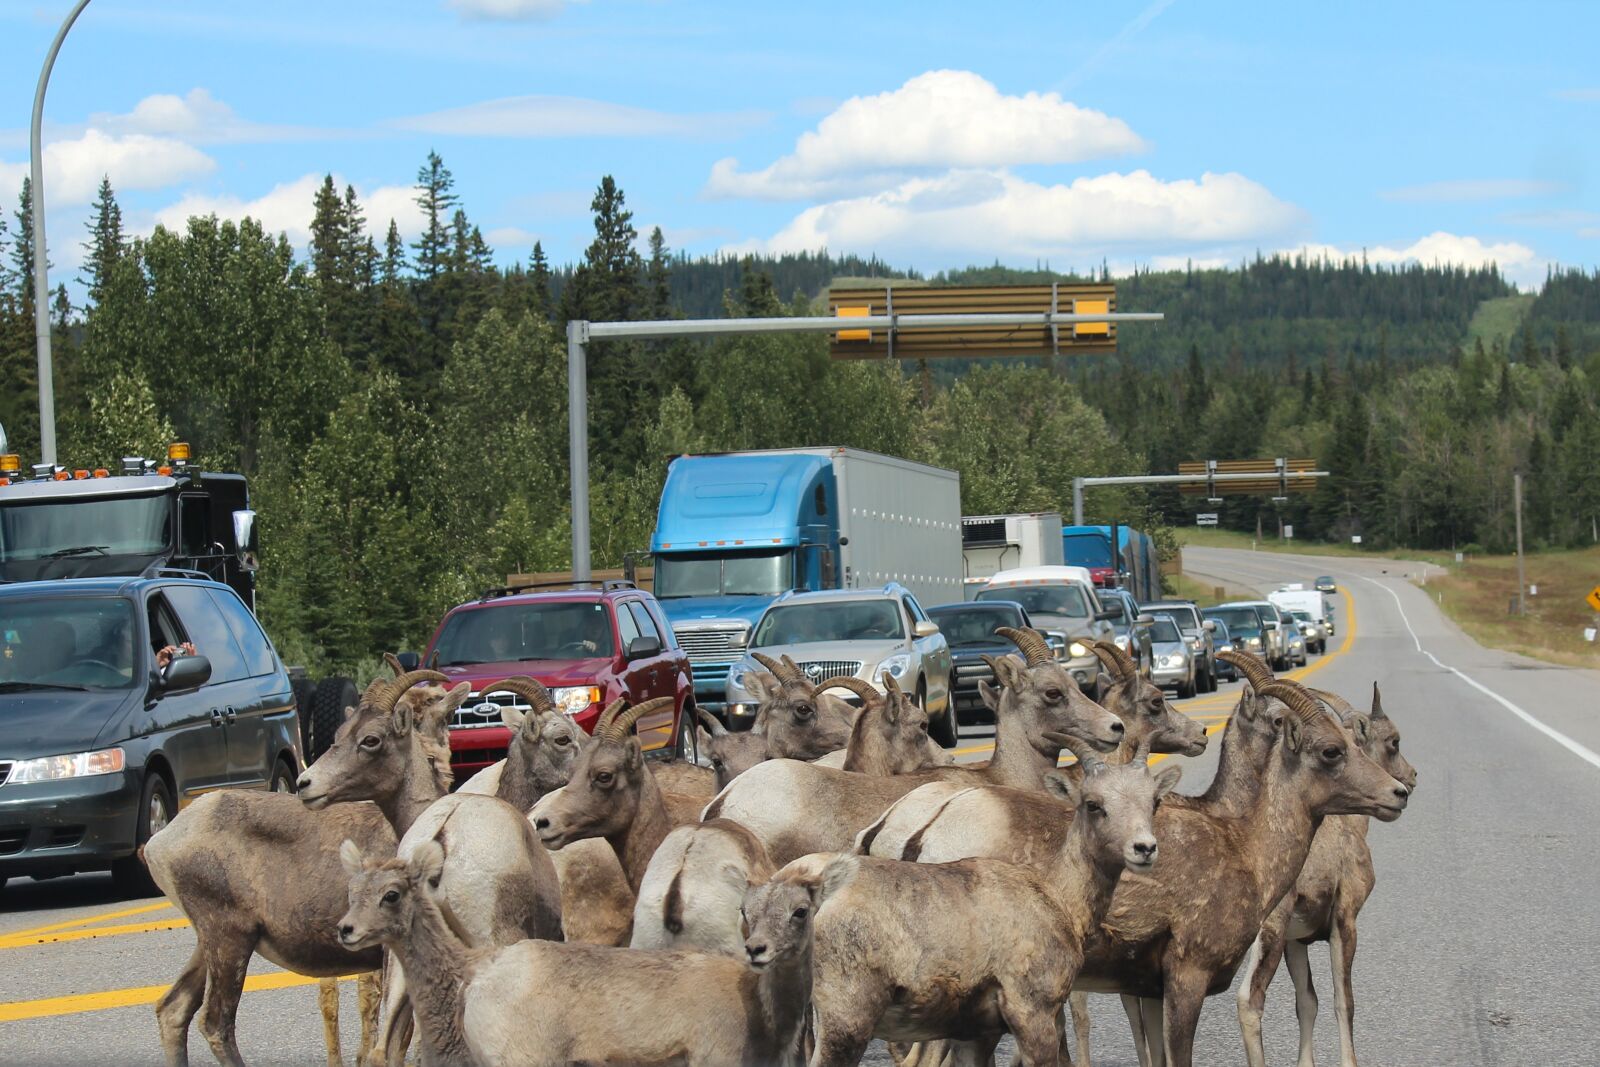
[457,696]
[835,876]
[703,745]
[735,876]
[350,856]
[513,718]
[635,752]
[348,712]
[1361,727]
[400,719]
[761,685]
[1291,733]
[1061,786]
[1167,779]
[990,695]
[427,862]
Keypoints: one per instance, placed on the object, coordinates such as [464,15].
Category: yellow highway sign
[1594,598]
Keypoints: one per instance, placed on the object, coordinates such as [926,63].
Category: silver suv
[860,633]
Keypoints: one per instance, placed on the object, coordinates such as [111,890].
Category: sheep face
[383,894]
[777,920]
[544,750]
[798,721]
[372,750]
[1049,704]
[600,800]
[1383,744]
[729,754]
[1144,711]
[1116,806]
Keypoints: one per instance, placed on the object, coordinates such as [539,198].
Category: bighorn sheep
[540,1002]
[596,902]
[253,872]
[729,753]
[694,886]
[1327,898]
[795,715]
[612,794]
[799,808]
[499,884]
[1005,941]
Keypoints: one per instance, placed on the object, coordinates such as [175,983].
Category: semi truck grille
[722,644]
[820,670]
[475,712]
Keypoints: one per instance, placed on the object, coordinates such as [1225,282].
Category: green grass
[1205,594]
[1498,318]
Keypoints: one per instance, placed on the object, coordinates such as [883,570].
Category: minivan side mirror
[1210,626]
[1269,624]
[246,543]
[185,673]
[643,646]
[924,628]
[409,661]
[1113,610]
[1145,620]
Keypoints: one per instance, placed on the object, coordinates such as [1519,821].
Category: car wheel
[328,702]
[1186,687]
[283,778]
[156,808]
[943,729]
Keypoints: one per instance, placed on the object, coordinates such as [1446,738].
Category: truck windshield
[850,620]
[1043,599]
[111,526]
[1186,617]
[1242,622]
[717,574]
[1164,630]
[516,633]
[974,625]
[66,643]
[1087,550]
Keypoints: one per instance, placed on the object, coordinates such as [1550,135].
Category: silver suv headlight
[898,665]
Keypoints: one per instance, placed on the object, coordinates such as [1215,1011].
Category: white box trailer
[1299,598]
[994,543]
[899,521]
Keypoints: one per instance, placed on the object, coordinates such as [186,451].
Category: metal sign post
[580,333]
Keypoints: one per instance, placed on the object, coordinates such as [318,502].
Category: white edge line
[1583,752]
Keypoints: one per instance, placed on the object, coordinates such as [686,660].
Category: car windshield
[112,526]
[973,625]
[1185,616]
[514,633]
[1242,622]
[717,574]
[1087,549]
[1164,630]
[1303,616]
[1043,599]
[79,642]
[849,620]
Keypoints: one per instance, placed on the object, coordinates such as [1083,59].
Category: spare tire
[328,701]
[303,689]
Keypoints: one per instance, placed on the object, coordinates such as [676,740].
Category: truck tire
[328,701]
[129,875]
[303,689]
[943,729]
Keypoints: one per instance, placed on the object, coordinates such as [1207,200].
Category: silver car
[1315,631]
[860,633]
[1175,661]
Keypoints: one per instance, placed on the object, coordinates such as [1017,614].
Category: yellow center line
[89,933]
[77,1003]
[104,917]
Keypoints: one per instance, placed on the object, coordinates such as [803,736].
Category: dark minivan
[99,748]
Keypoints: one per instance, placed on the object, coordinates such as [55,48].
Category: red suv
[589,646]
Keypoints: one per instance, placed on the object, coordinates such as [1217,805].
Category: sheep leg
[1259,969]
[1078,1001]
[1342,949]
[1305,998]
[226,966]
[1183,995]
[176,1008]
[1141,1040]
[328,1002]
[1151,1010]
[839,1046]
[395,1024]
[367,1003]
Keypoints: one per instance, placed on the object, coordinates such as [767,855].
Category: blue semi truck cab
[735,530]
[1138,570]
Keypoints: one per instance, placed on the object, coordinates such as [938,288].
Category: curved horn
[712,724]
[394,690]
[785,670]
[796,675]
[1341,707]
[1377,704]
[1251,666]
[1088,758]
[864,690]
[1141,753]
[394,663]
[1125,665]
[529,689]
[1108,657]
[1035,650]
[1298,700]
[607,714]
[620,727]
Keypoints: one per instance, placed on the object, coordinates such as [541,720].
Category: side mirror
[1112,610]
[1145,620]
[185,673]
[1106,615]
[245,543]
[925,628]
[1210,626]
[1268,624]
[409,661]
[644,646]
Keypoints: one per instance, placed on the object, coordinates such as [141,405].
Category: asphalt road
[1481,944]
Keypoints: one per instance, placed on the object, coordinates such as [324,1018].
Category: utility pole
[1522,578]
[41,268]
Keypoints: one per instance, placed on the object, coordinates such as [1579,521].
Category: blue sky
[933,134]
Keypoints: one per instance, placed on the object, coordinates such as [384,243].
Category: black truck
[148,517]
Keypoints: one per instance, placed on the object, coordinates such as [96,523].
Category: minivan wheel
[943,729]
[283,778]
[129,874]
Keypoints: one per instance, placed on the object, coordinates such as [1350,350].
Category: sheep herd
[796,891]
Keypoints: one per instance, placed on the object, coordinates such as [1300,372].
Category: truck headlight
[737,674]
[572,699]
[1255,642]
[1077,650]
[897,665]
[1122,642]
[77,765]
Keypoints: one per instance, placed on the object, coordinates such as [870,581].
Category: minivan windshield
[80,642]
[1242,622]
[723,574]
[846,620]
[1043,599]
[514,633]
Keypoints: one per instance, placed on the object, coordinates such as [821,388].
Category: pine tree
[605,286]
[436,198]
[327,235]
[105,245]
[393,264]
[22,247]
[658,289]
[539,280]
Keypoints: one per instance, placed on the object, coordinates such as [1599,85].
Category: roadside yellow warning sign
[1594,598]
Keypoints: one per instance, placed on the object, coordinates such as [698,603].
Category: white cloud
[974,215]
[568,116]
[941,119]
[287,209]
[1579,95]
[73,168]
[198,118]
[1473,189]
[510,237]
[1517,261]
[509,10]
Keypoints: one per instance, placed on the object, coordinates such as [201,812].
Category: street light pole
[41,269]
